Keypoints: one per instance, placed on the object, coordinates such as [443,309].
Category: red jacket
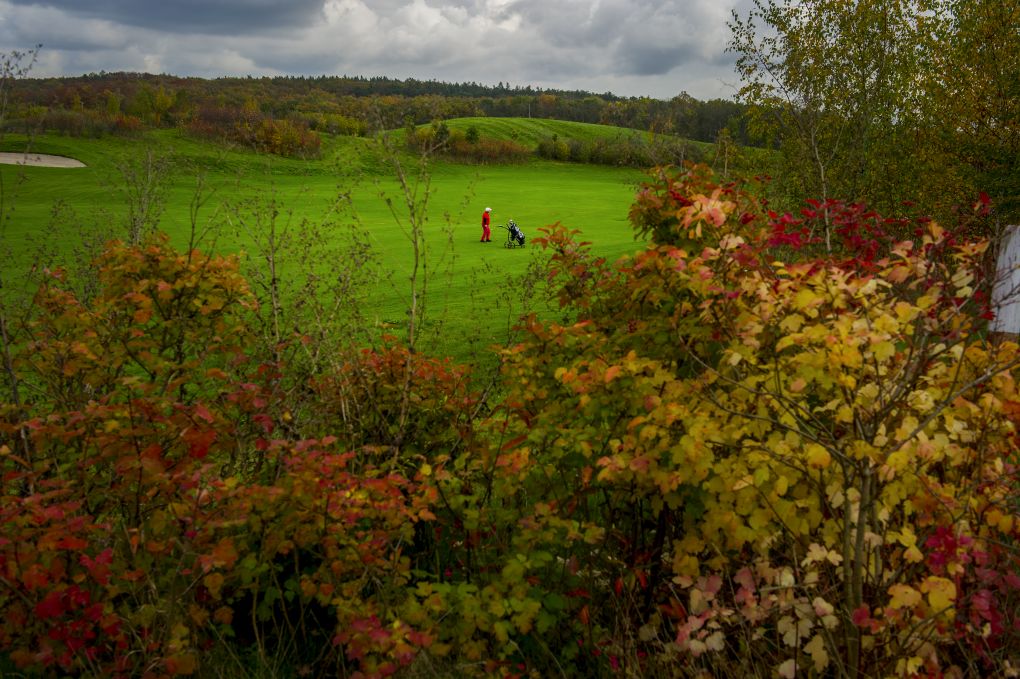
[485,219]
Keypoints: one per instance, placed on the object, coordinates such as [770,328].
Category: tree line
[367,104]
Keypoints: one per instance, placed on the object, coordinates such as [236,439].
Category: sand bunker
[39,160]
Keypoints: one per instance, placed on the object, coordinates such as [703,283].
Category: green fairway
[529,131]
[474,291]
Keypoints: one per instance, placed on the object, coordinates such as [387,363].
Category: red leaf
[514,442]
[71,542]
[265,422]
[200,443]
[51,606]
[203,413]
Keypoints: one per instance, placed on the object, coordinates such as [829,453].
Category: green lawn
[530,131]
[474,292]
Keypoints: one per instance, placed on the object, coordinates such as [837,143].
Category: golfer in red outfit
[486,233]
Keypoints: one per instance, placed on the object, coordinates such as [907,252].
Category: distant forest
[99,103]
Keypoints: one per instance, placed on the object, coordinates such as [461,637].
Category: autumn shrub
[392,400]
[487,151]
[622,150]
[463,146]
[723,462]
[73,123]
[763,465]
[157,512]
[255,130]
[283,137]
[553,148]
[335,123]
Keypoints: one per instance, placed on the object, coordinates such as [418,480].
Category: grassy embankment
[474,292]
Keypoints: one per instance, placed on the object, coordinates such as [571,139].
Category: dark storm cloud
[654,60]
[629,47]
[190,16]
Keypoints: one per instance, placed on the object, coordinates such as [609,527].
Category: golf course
[358,194]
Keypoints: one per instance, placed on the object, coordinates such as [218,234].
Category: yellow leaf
[787,341]
[213,582]
[817,456]
[816,648]
[822,607]
[793,631]
[697,601]
[905,312]
[921,401]
[941,593]
[782,485]
[805,298]
[182,663]
[884,350]
[999,520]
[198,615]
[818,553]
[742,483]
[867,394]
[792,323]
[906,537]
[907,667]
[903,596]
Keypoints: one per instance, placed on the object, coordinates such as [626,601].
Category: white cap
[488,209]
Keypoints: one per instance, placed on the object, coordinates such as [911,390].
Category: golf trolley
[514,236]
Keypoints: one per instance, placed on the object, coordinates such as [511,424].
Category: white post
[1006,291]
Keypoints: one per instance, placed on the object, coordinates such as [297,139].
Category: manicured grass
[529,131]
[474,293]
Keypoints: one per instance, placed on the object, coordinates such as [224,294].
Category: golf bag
[514,236]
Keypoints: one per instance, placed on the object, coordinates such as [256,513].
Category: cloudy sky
[654,48]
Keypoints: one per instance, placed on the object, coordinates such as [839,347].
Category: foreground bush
[740,464]
[157,514]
